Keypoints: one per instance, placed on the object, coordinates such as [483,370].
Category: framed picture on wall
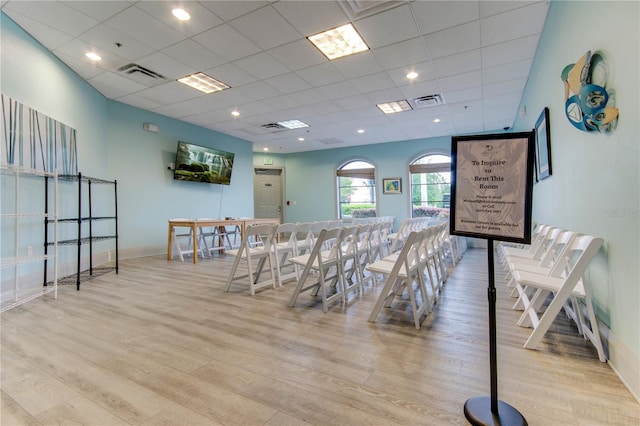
[392,186]
[543,146]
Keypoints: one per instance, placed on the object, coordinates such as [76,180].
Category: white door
[267,195]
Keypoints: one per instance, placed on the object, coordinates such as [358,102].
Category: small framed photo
[543,146]
[392,186]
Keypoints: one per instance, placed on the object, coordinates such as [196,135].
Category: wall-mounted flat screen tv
[201,164]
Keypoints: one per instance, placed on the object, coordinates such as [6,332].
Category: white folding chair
[285,248]
[327,265]
[255,255]
[182,242]
[401,274]
[565,283]
[349,263]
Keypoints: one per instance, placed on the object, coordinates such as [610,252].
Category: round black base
[478,412]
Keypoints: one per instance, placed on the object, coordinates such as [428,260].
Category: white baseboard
[622,360]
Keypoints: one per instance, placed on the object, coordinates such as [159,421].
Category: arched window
[430,186]
[356,189]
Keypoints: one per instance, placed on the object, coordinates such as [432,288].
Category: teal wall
[307,175]
[595,186]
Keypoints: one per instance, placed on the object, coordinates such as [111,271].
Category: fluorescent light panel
[203,83]
[395,106]
[293,124]
[339,42]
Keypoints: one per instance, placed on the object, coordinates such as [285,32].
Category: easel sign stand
[491,198]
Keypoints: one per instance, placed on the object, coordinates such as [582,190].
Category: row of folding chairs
[281,251]
[418,269]
[548,277]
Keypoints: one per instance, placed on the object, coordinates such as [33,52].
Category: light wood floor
[162,344]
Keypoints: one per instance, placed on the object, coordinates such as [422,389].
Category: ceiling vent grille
[358,9]
[140,73]
[428,101]
[273,127]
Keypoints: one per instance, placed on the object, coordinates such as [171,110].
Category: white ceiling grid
[476,54]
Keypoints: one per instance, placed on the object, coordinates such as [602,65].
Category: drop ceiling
[476,55]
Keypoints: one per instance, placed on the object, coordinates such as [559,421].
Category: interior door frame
[282,187]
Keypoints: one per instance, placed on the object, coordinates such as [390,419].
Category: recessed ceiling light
[436,120]
[235,113]
[412,75]
[181,14]
[292,124]
[339,42]
[395,106]
[360,130]
[93,56]
[265,149]
[203,83]
[301,139]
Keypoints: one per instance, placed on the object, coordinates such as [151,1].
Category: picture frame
[392,186]
[543,146]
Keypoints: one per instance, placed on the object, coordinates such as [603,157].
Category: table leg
[195,243]
[169,242]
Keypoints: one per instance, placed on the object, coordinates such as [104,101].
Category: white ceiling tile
[140,25]
[53,14]
[506,71]
[231,9]
[231,75]
[99,9]
[265,28]
[227,42]
[425,73]
[195,54]
[466,96]
[298,55]
[434,16]
[407,53]
[320,75]
[457,64]
[488,8]
[461,81]
[339,90]
[510,51]
[105,38]
[373,82]
[421,89]
[176,90]
[201,18]
[259,90]
[261,65]
[117,81]
[505,87]
[86,69]
[386,95]
[282,102]
[514,24]
[310,96]
[138,101]
[369,28]
[357,65]
[353,102]
[311,17]
[77,48]
[458,39]
[288,83]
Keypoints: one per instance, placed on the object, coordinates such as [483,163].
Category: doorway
[267,193]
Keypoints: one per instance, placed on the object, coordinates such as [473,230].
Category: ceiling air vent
[273,127]
[141,74]
[428,101]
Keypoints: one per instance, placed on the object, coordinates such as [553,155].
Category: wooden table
[194,224]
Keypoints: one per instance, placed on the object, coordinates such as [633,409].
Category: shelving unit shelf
[19,222]
[89,219]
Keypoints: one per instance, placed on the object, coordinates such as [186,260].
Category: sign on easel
[491,187]
[491,198]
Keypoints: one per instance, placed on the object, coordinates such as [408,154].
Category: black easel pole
[491,411]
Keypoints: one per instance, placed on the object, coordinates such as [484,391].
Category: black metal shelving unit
[88,219]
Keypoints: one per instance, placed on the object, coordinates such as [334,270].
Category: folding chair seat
[326,265]
[256,249]
[285,248]
[565,284]
[182,242]
[402,274]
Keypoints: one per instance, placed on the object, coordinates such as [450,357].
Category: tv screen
[200,164]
